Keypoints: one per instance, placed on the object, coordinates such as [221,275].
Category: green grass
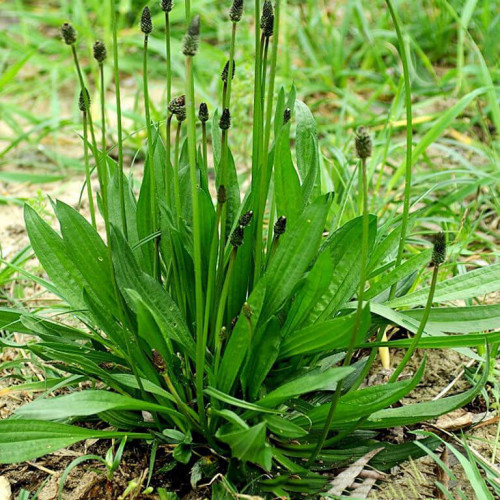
[154,299]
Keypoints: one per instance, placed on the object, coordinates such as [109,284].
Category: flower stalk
[270,27]
[438,257]
[190,46]
[364,149]
[116,74]
[84,109]
[69,37]
[409,142]
[147,28]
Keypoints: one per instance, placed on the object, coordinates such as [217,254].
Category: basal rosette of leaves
[225,325]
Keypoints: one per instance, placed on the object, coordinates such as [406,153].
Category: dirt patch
[416,479]
[85,481]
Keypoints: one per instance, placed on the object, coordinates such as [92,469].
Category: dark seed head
[246,218]
[166,5]
[439,250]
[267,19]
[177,104]
[181,114]
[221,194]
[100,52]
[225,119]
[203,112]
[363,143]
[158,361]
[269,27]
[280,226]
[236,238]
[192,37]
[146,23]
[236,11]
[287,114]
[247,310]
[223,333]
[84,106]
[225,71]
[68,34]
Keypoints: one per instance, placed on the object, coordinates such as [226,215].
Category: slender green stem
[168,148]
[152,180]
[89,114]
[264,72]
[421,327]
[256,130]
[231,62]
[87,170]
[409,141]
[188,412]
[272,77]
[357,324]
[101,169]
[177,188]
[223,182]
[224,95]
[103,110]
[187,6]
[263,85]
[168,57]
[267,137]
[259,207]
[200,344]
[116,72]
[205,154]
[221,309]
[212,268]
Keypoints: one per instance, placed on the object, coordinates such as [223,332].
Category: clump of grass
[227,328]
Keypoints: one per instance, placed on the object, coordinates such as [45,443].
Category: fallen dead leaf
[455,420]
[347,477]
[5,491]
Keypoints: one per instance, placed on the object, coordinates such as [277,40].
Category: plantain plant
[234,326]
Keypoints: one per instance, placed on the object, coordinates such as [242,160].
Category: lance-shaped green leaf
[320,337]
[408,267]
[346,260]
[420,412]
[262,356]
[289,198]
[312,287]
[295,253]
[86,403]
[22,440]
[465,286]
[240,403]
[310,382]
[52,253]
[89,254]
[162,307]
[362,402]
[239,342]
[461,319]
[13,320]
[307,151]
[284,428]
